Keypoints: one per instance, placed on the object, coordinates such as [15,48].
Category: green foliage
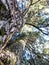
[0,42]
[2,31]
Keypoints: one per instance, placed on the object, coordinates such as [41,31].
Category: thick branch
[36,27]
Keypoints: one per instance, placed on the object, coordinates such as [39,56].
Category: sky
[22,5]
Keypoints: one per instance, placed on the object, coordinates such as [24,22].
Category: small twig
[25,11]
[34,3]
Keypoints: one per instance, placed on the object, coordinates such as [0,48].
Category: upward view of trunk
[15,24]
[16,15]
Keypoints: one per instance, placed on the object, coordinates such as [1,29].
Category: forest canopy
[24,32]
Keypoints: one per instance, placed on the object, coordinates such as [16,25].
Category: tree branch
[36,27]
[34,3]
[26,10]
